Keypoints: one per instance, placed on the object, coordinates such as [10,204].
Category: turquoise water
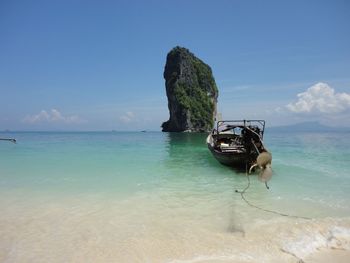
[140,191]
[314,167]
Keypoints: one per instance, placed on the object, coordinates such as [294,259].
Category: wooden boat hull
[236,160]
[237,143]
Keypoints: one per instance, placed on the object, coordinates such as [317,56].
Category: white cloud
[57,116]
[52,116]
[320,98]
[127,117]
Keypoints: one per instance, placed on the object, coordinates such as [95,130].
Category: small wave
[334,238]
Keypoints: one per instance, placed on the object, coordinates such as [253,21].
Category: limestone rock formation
[191,91]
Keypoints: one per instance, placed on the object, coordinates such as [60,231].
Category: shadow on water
[190,148]
[189,160]
[189,151]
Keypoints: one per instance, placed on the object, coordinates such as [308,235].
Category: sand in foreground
[329,255]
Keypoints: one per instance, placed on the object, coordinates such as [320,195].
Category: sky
[98,65]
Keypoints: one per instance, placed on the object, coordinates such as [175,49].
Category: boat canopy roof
[223,126]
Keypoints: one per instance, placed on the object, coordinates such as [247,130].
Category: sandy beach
[329,255]
[91,229]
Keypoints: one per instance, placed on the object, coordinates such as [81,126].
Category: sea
[162,197]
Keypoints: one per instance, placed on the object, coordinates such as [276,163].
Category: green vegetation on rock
[192,92]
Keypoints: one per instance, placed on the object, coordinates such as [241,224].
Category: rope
[261,140]
[256,148]
[263,209]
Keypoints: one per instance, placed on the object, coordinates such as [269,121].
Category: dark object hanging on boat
[237,143]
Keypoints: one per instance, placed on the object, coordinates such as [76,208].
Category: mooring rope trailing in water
[260,208]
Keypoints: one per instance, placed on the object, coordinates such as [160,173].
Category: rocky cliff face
[191,91]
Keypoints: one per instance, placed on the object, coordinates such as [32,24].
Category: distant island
[310,126]
[192,93]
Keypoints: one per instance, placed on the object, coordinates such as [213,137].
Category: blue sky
[98,65]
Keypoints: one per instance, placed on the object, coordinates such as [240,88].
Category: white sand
[144,230]
[329,256]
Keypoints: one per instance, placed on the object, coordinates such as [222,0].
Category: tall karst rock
[191,91]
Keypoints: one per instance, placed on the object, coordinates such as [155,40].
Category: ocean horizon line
[74,131]
[297,127]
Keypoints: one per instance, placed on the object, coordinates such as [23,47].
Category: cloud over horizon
[52,116]
[320,98]
[127,117]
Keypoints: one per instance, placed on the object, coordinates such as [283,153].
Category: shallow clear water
[162,197]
